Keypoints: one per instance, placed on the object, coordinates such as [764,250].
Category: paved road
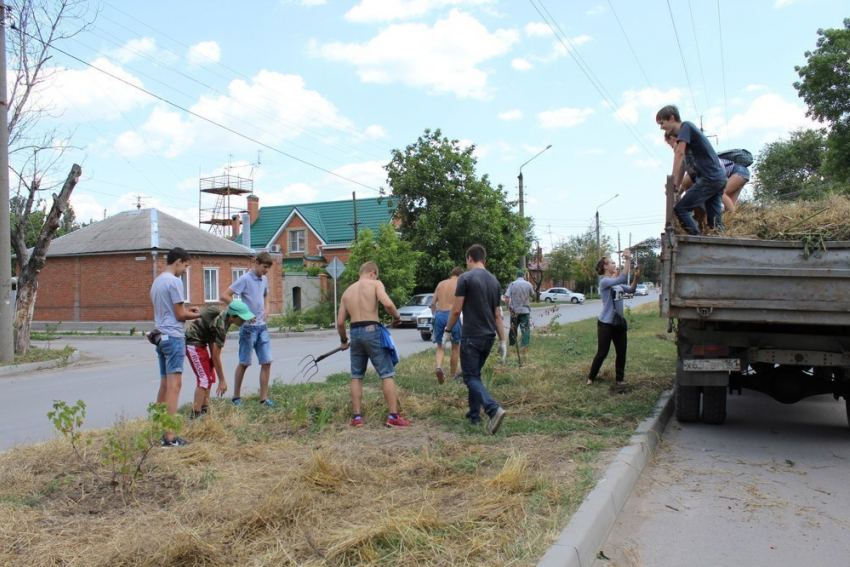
[767,489]
[118,376]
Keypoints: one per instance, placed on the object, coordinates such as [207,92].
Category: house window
[185,279]
[237,273]
[297,241]
[210,284]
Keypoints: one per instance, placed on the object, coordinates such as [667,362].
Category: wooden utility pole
[7,299]
[355,223]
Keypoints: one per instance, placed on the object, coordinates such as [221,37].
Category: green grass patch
[36,354]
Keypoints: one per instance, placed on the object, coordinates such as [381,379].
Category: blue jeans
[254,338]
[366,345]
[171,351]
[473,354]
[704,191]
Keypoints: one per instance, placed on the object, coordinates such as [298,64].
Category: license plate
[713,364]
[403,318]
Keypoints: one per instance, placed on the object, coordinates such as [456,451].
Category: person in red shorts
[205,338]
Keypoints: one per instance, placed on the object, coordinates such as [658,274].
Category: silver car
[415,306]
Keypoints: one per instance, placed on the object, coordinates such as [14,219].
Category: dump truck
[766,315]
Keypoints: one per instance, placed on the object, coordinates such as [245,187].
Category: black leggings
[606,334]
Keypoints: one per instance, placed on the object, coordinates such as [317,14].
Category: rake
[309,365]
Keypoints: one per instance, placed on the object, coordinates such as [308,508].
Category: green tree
[575,258]
[646,257]
[789,169]
[824,85]
[395,258]
[444,208]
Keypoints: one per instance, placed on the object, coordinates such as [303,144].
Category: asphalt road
[118,376]
[767,489]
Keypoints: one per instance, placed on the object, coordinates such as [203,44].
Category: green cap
[238,308]
[520,273]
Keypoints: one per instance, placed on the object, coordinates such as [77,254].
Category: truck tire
[714,405]
[425,336]
[687,403]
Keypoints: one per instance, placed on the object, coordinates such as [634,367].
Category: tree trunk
[29,272]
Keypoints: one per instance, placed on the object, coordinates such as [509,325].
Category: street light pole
[7,305]
[522,199]
[598,245]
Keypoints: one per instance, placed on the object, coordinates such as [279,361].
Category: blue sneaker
[236,401]
[268,403]
[176,442]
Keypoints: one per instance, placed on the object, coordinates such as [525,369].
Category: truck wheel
[425,336]
[687,403]
[714,405]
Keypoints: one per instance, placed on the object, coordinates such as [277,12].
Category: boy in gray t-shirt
[253,289]
[170,313]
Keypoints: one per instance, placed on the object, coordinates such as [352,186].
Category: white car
[641,289]
[415,306]
[561,294]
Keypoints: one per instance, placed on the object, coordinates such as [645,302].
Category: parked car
[561,294]
[641,289]
[425,323]
[415,306]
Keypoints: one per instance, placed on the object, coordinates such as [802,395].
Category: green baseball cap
[520,273]
[238,308]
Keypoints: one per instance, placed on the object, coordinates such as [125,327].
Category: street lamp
[521,199]
[598,246]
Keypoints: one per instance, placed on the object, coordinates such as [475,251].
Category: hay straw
[825,220]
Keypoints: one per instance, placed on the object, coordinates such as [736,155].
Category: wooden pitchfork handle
[327,354]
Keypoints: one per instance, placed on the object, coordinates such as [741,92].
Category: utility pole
[619,251]
[522,198]
[355,223]
[7,305]
[598,245]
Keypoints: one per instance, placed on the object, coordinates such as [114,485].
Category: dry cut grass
[297,486]
[825,220]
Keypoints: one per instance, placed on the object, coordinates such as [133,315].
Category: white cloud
[563,117]
[538,29]
[634,101]
[598,9]
[204,53]
[376,132]
[370,173]
[91,93]
[514,114]
[633,149]
[272,107]
[769,117]
[754,88]
[290,195]
[130,144]
[444,58]
[368,11]
[134,49]
[521,64]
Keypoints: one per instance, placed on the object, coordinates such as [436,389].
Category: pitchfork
[309,365]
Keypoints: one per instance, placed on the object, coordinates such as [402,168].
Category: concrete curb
[589,527]
[29,367]
[139,336]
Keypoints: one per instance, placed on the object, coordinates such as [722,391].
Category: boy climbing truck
[766,315]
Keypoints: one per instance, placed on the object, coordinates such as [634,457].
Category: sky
[309,97]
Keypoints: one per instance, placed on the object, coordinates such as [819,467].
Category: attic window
[297,241]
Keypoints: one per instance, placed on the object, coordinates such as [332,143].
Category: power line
[682,53]
[723,73]
[588,73]
[210,121]
[699,60]
[646,78]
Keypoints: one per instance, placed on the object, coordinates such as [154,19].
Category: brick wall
[117,287]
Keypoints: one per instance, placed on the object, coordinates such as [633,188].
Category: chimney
[246,230]
[235,223]
[253,207]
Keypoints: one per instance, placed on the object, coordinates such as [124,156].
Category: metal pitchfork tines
[309,365]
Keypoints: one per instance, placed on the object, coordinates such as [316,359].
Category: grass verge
[295,485]
[36,354]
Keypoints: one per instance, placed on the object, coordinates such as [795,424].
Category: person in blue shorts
[253,289]
[170,313]
[441,306]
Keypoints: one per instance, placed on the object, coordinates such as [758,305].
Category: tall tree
[444,208]
[824,85]
[575,258]
[395,258]
[790,169]
[35,152]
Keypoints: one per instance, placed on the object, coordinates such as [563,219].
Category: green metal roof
[331,220]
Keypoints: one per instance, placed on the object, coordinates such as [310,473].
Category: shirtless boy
[441,306]
[360,302]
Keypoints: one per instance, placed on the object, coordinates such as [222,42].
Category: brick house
[104,272]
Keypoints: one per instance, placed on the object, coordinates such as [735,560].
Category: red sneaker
[397,421]
[356,421]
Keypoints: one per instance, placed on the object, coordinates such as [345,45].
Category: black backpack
[739,156]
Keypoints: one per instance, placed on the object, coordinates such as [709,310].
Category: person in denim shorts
[368,343]
[737,176]
[441,306]
[170,313]
[253,289]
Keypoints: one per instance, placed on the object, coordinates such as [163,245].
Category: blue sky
[339,84]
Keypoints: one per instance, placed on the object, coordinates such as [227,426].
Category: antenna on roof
[138,199]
